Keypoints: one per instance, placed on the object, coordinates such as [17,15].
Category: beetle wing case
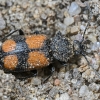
[24,53]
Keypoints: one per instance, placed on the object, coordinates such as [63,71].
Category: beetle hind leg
[48,71]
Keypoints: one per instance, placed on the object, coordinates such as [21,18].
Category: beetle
[25,53]
[28,53]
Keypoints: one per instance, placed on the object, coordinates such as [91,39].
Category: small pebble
[25,5]
[83,91]
[2,23]
[77,18]
[35,81]
[74,9]
[82,27]
[85,17]
[57,97]
[64,96]
[42,99]
[92,38]
[9,3]
[74,30]
[88,74]
[80,3]
[61,75]
[94,87]
[2,2]
[96,46]
[13,8]
[56,82]
[68,21]
[53,92]
[83,68]
[43,16]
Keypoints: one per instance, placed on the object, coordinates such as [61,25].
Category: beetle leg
[1,66]
[34,72]
[5,37]
[52,70]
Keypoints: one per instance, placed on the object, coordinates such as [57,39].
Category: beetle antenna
[81,45]
[85,32]
[86,57]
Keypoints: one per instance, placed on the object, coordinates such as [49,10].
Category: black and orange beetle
[26,53]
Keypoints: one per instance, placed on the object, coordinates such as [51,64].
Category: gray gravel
[78,81]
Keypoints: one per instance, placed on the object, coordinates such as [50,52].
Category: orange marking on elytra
[37,60]
[10,62]
[8,45]
[35,41]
